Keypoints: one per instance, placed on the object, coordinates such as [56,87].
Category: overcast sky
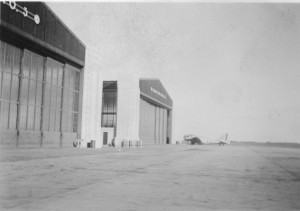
[230,68]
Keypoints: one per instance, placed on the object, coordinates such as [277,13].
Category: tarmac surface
[155,177]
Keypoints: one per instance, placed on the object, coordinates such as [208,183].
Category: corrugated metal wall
[39,98]
[153,123]
[39,78]
[50,29]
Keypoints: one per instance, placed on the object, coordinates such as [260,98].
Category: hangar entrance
[153,123]
[39,99]
[109,111]
[156,106]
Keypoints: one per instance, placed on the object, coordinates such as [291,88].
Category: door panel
[105,135]
[153,123]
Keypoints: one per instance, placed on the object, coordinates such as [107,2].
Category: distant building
[132,112]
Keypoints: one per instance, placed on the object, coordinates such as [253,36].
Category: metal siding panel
[41,27]
[50,28]
[5,13]
[60,35]
[16,18]
[81,52]
[68,42]
[74,47]
[29,25]
[72,44]
[64,38]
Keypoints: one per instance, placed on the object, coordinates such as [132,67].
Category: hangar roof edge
[156,90]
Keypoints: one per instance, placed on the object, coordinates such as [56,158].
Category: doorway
[105,136]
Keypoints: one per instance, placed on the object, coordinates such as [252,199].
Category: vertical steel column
[19,97]
[61,106]
[10,86]
[43,102]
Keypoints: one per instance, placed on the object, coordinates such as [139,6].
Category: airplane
[192,139]
[223,140]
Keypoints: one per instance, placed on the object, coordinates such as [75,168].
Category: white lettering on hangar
[158,93]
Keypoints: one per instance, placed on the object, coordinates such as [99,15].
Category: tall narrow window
[109,104]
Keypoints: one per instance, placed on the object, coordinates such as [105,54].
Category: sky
[229,67]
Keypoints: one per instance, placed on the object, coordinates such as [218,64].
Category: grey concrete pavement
[161,177]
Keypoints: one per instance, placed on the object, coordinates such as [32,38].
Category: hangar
[41,72]
[148,115]
[52,94]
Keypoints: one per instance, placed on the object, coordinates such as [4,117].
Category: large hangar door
[147,122]
[155,113]
[153,123]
